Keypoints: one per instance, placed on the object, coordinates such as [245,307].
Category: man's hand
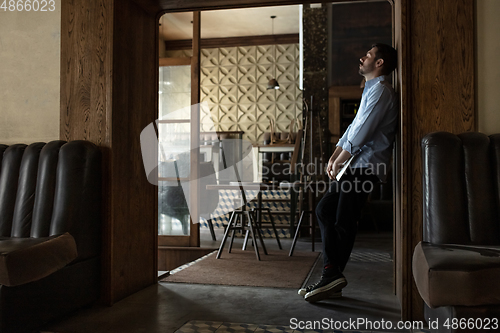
[329,167]
[333,169]
[331,161]
[335,163]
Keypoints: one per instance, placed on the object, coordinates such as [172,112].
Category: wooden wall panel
[181,5]
[86,67]
[135,105]
[170,257]
[438,94]
[443,87]
[86,85]
[397,26]
[213,43]
[401,176]
[194,238]
[108,95]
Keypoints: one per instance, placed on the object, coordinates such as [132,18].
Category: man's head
[381,59]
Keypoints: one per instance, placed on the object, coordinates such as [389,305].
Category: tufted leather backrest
[49,189]
[461,186]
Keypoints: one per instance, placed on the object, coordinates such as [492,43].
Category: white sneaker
[327,286]
[304,291]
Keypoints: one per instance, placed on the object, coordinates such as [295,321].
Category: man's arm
[335,163]
[368,121]
[335,154]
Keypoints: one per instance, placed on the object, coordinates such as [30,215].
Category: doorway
[237,62]
[233,49]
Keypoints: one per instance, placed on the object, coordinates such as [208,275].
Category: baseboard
[170,257]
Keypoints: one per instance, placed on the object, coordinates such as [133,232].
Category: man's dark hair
[389,55]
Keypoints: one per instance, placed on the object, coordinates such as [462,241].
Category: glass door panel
[178,135]
[174,133]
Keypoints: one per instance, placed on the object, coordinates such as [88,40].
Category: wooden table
[277,148]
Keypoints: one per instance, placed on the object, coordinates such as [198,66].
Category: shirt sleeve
[368,120]
[343,139]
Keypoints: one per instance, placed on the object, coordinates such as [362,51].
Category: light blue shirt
[371,133]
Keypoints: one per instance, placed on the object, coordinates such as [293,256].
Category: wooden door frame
[402,232]
[193,239]
[109,48]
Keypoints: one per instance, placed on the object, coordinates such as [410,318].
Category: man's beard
[364,70]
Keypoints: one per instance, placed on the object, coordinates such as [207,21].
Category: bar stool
[312,216]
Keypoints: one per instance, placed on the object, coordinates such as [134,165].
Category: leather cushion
[457,274]
[24,260]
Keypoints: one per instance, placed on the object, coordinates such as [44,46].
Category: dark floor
[166,307]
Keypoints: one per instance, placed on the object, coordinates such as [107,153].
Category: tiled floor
[197,326]
[178,307]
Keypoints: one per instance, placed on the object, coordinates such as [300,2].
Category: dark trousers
[338,213]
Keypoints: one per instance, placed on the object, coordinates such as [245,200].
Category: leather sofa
[457,265]
[50,231]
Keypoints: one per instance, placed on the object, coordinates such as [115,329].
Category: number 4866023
[28,5]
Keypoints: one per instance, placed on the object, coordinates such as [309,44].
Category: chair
[457,265]
[258,216]
[253,216]
[173,195]
[210,147]
[249,227]
[278,163]
[284,167]
[208,201]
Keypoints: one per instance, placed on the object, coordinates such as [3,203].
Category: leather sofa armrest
[24,260]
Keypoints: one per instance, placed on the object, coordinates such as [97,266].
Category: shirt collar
[374,81]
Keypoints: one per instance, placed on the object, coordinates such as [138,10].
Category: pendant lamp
[273,83]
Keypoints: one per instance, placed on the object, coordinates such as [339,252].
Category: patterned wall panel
[234,84]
